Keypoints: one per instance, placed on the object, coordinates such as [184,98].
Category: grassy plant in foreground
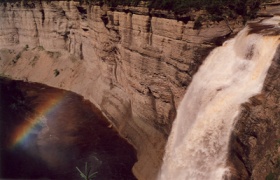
[87,175]
[56,72]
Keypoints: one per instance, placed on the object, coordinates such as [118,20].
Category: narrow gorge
[135,65]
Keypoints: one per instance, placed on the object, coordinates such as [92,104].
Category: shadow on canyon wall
[48,132]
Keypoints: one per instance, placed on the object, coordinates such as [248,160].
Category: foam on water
[198,144]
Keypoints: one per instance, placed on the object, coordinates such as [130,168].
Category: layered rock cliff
[133,65]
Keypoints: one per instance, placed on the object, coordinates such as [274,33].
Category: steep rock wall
[134,66]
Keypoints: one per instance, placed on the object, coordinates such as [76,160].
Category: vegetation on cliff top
[217,8]
[230,8]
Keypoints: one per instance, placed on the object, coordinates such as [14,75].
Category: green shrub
[198,23]
[26,47]
[271,176]
[15,60]
[56,72]
[41,48]
[54,54]
[86,175]
[34,61]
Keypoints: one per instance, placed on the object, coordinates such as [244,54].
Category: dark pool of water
[66,132]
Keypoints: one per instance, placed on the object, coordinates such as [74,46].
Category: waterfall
[198,144]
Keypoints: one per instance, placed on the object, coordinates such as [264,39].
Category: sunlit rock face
[132,66]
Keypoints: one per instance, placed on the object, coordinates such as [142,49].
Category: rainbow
[22,131]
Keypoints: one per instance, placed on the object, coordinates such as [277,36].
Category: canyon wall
[134,65]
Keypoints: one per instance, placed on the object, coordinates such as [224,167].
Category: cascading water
[198,144]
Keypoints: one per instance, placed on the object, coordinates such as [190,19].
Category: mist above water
[198,144]
[46,133]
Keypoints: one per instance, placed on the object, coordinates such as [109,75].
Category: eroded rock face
[133,66]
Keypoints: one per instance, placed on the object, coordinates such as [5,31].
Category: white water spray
[198,144]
